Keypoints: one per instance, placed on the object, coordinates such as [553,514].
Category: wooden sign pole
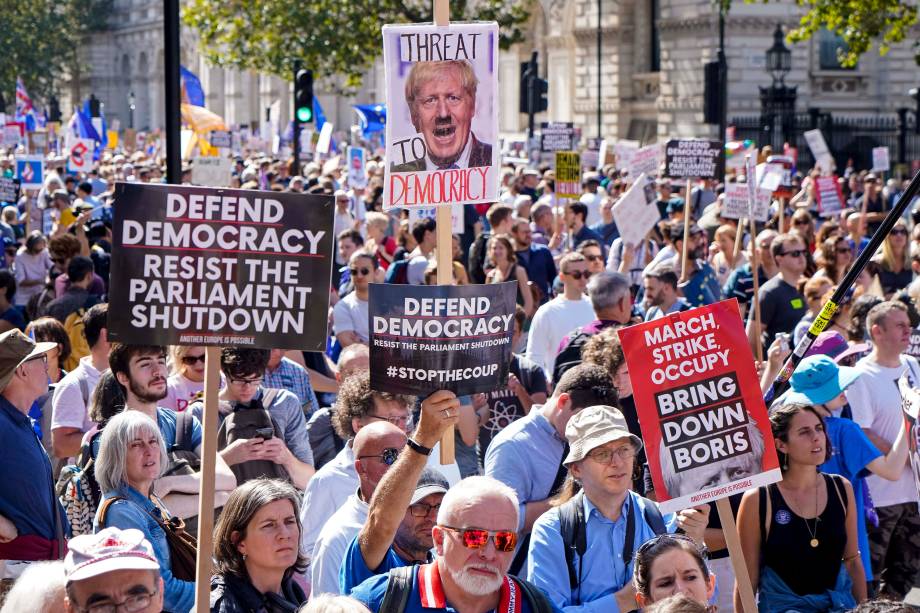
[758,337]
[445,244]
[683,259]
[742,578]
[206,494]
[739,238]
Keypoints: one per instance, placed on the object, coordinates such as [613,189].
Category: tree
[39,41]
[339,39]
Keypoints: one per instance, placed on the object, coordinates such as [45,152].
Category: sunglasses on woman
[476,538]
[360,271]
[189,360]
[669,538]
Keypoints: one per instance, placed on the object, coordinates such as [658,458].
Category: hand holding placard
[440,411]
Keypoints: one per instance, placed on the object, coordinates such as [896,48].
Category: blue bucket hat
[818,379]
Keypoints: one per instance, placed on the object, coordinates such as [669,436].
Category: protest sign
[645,160]
[703,420]
[325,138]
[220,139]
[910,405]
[881,162]
[634,215]
[819,150]
[11,135]
[737,201]
[624,150]
[441,137]
[212,171]
[9,190]
[913,348]
[829,195]
[568,174]
[357,176]
[602,152]
[209,266]
[30,170]
[693,158]
[456,216]
[770,176]
[80,156]
[430,337]
[111,139]
[38,142]
[590,157]
[557,136]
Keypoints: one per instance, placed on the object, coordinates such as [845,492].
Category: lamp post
[778,100]
[131,107]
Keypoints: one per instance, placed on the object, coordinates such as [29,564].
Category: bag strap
[399,587]
[574,538]
[534,597]
[268,397]
[653,518]
[104,508]
[183,425]
[835,479]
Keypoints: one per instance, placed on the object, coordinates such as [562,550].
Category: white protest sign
[357,175]
[325,138]
[770,176]
[819,150]
[737,199]
[80,156]
[829,196]
[456,216]
[10,136]
[624,151]
[602,153]
[212,171]
[634,215]
[645,160]
[430,159]
[881,162]
[220,139]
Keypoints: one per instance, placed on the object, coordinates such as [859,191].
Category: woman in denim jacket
[131,457]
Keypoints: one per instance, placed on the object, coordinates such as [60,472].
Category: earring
[785,462]
[244,557]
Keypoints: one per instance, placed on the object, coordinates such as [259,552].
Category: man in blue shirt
[286,374]
[31,519]
[537,260]
[601,458]
[576,214]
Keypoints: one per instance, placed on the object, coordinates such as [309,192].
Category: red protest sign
[829,195]
[704,422]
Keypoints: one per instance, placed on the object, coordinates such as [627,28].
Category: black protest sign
[430,337]
[693,158]
[557,136]
[211,266]
[9,189]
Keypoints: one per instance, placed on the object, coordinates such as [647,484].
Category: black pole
[173,89]
[827,312]
[599,36]
[723,81]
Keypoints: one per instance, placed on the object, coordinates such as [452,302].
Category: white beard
[475,584]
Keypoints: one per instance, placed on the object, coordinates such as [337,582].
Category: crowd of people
[329,495]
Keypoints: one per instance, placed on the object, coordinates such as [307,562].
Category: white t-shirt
[180,391]
[350,314]
[551,323]
[72,394]
[332,544]
[876,404]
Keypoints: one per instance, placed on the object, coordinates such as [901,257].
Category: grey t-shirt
[781,308]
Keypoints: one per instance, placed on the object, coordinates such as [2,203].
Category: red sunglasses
[476,538]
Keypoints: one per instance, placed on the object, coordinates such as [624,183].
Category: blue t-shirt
[853,451]
[14,316]
[354,570]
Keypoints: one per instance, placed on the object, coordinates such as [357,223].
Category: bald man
[376,447]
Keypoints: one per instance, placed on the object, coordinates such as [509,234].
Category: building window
[655,42]
[829,44]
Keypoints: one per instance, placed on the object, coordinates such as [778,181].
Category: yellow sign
[568,174]
[112,138]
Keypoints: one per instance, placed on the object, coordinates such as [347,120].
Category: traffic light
[54,109]
[541,90]
[94,107]
[712,93]
[303,96]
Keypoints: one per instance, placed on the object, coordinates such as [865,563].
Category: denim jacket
[134,511]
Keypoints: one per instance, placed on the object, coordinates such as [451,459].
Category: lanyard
[431,592]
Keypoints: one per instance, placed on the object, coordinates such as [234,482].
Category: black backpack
[575,539]
[570,356]
[399,587]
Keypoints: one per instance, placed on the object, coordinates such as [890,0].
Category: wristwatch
[417,447]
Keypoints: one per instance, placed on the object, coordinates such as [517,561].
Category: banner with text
[430,337]
[635,213]
[645,160]
[829,195]
[9,190]
[568,174]
[881,161]
[357,174]
[209,266]
[557,136]
[442,114]
[694,158]
[703,420]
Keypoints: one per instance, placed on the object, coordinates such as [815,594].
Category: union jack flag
[23,101]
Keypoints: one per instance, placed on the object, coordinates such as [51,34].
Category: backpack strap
[574,537]
[399,586]
[84,391]
[104,508]
[653,518]
[268,397]
[534,597]
[183,432]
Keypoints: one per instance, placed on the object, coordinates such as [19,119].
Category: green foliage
[38,41]
[335,38]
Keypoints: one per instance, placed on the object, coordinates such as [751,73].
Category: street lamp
[779,58]
[777,102]
[131,108]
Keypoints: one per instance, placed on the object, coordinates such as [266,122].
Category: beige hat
[16,348]
[593,427]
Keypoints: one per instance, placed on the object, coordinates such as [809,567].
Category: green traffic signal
[305,114]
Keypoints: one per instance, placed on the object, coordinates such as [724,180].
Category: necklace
[814,533]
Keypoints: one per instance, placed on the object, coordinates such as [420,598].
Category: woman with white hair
[132,455]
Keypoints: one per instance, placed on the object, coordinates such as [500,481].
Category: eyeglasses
[901,231]
[801,222]
[605,456]
[594,258]
[663,539]
[360,271]
[420,509]
[244,382]
[387,456]
[578,274]
[797,253]
[400,420]
[475,538]
[137,602]
[844,250]
[190,360]
[43,357]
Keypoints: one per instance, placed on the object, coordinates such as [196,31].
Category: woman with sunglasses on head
[894,271]
[187,379]
[672,564]
[257,550]
[349,315]
[834,258]
[502,266]
[611,521]
[800,535]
